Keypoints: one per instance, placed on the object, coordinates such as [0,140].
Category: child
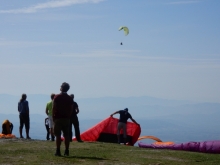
[47,128]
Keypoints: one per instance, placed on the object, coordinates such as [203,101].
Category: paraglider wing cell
[126,30]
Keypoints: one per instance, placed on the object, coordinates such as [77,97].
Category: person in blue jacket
[23,110]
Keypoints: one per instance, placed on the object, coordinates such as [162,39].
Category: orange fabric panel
[163,143]
[8,136]
[150,137]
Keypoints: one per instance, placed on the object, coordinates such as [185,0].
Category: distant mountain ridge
[139,107]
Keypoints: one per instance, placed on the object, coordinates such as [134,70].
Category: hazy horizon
[37,104]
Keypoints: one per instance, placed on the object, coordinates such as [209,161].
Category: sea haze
[169,120]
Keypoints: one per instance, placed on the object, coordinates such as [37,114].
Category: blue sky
[172,50]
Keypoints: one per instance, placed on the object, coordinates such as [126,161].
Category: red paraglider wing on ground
[133,130]
[93,133]
[106,131]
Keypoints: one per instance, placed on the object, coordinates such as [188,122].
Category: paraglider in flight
[126,31]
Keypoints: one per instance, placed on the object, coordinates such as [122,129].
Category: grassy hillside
[22,151]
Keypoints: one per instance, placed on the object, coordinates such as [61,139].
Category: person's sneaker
[80,141]
[66,153]
[57,153]
[28,137]
[52,139]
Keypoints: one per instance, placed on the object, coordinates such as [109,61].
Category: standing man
[62,110]
[122,124]
[74,120]
[48,111]
[23,110]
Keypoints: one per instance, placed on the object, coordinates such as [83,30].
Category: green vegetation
[22,151]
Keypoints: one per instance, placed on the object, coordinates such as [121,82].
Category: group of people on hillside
[49,124]
[62,113]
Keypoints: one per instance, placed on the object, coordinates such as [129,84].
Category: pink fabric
[204,146]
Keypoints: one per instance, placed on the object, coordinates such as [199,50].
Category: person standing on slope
[48,111]
[62,110]
[74,121]
[122,124]
[23,110]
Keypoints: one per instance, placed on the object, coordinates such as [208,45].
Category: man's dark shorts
[61,125]
[24,120]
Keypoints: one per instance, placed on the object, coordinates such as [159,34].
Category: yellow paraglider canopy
[126,30]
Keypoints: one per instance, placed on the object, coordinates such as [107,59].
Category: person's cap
[126,109]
